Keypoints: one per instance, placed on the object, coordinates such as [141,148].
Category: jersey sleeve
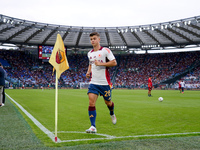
[109,53]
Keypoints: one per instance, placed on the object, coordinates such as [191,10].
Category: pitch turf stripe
[35,121]
[109,137]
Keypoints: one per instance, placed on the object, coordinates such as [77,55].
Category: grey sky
[102,13]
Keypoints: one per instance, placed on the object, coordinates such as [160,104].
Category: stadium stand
[178,33]
[131,72]
[134,71]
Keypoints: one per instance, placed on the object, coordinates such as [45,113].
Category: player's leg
[92,109]
[106,92]
[149,91]
[1,95]
[110,106]
[3,101]
[92,95]
[182,89]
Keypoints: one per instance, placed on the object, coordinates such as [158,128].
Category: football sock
[92,114]
[111,108]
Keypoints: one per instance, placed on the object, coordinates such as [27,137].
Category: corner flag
[59,62]
[58,57]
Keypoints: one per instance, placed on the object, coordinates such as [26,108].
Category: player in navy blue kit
[100,58]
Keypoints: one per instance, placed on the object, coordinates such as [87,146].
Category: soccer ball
[160,99]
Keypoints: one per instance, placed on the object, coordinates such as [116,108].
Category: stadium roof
[178,33]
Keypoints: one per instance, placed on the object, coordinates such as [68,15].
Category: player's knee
[91,102]
[92,99]
[108,103]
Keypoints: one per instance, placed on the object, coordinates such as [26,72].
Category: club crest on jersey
[99,55]
[60,56]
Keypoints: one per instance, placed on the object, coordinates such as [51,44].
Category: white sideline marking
[107,137]
[36,122]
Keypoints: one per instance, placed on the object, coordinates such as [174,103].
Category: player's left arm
[109,55]
[111,63]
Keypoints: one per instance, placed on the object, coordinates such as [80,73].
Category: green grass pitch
[137,114]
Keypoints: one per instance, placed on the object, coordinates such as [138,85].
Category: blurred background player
[149,85]
[49,86]
[100,58]
[179,86]
[42,87]
[182,86]
[23,87]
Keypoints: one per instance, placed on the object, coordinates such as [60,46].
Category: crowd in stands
[132,70]
[192,79]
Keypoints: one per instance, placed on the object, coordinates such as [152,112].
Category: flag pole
[56,107]
[59,62]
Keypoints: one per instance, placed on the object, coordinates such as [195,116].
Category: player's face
[95,40]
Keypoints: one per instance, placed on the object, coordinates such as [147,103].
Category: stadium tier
[178,33]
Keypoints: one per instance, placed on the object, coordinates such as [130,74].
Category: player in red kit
[179,86]
[149,86]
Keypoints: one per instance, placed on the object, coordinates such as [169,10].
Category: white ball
[160,99]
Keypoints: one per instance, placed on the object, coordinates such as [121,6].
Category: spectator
[2,84]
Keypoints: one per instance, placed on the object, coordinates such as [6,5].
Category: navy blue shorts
[103,90]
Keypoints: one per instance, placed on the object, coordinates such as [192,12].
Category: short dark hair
[0,64]
[94,33]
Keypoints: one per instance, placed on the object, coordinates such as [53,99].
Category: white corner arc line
[106,135]
[36,122]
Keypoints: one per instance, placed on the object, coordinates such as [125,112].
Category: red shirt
[149,82]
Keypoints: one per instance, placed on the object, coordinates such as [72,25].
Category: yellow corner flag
[59,62]
[58,57]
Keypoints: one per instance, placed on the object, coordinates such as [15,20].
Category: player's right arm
[89,71]
[111,63]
